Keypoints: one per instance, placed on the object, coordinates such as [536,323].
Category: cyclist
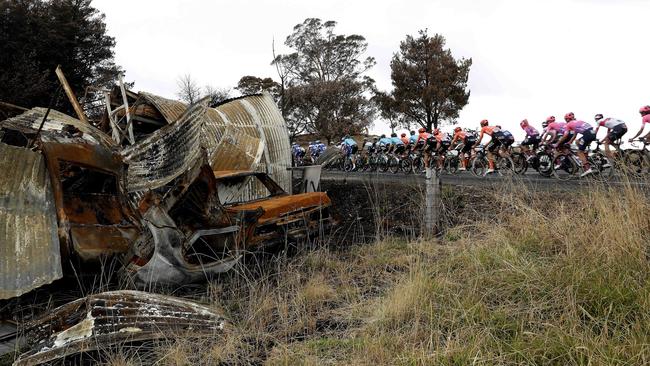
[413,138]
[573,128]
[396,142]
[385,143]
[645,118]
[321,147]
[615,130]
[404,139]
[532,140]
[466,140]
[298,152]
[350,148]
[425,142]
[442,141]
[506,139]
[492,147]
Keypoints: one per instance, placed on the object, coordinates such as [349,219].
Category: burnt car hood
[275,207]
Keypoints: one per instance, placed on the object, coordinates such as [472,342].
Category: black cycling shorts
[617,132]
[399,149]
[586,139]
[494,145]
[531,140]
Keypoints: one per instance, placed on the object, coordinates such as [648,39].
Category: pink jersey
[578,126]
[558,127]
[646,119]
[531,131]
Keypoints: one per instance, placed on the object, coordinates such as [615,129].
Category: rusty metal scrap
[58,127]
[167,153]
[110,318]
[29,246]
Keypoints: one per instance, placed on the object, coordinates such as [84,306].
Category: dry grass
[547,279]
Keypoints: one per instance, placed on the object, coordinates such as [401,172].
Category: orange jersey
[488,130]
[405,140]
[459,136]
[424,136]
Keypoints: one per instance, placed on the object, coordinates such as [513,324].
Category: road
[530,179]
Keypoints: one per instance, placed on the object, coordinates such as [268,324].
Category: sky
[531,59]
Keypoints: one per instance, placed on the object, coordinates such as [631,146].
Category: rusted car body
[174,205]
[280,217]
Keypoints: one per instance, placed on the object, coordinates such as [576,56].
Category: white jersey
[610,122]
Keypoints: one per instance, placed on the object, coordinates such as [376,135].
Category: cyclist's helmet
[436,131]
[598,117]
[383,136]
[457,129]
[318,141]
[523,123]
[484,123]
[412,133]
[645,110]
[569,117]
[393,134]
[550,119]
[422,130]
[403,134]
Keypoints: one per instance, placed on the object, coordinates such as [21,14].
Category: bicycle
[480,163]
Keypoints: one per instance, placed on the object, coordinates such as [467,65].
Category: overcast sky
[531,58]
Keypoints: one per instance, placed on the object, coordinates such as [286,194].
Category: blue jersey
[413,139]
[385,141]
[321,148]
[397,141]
[349,142]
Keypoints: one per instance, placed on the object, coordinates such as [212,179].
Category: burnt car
[279,216]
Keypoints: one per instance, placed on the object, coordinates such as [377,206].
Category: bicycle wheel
[520,163]
[479,166]
[406,165]
[393,164]
[452,165]
[418,165]
[544,165]
[505,165]
[564,167]
[382,163]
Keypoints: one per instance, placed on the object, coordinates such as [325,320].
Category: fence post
[432,205]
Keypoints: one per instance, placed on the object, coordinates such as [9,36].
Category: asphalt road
[531,179]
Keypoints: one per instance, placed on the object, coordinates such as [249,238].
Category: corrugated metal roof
[167,153]
[171,109]
[29,245]
[52,131]
[256,116]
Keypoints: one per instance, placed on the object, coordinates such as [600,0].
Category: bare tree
[188,89]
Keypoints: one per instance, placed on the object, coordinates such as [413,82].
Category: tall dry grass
[542,278]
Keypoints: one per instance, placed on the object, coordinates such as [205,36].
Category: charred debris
[176,192]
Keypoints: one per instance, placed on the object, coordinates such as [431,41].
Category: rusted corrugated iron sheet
[258,116]
[54,128]
[29,245]
[274,131]
[237,151]
[171,109]
[167,153]
[112,318]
